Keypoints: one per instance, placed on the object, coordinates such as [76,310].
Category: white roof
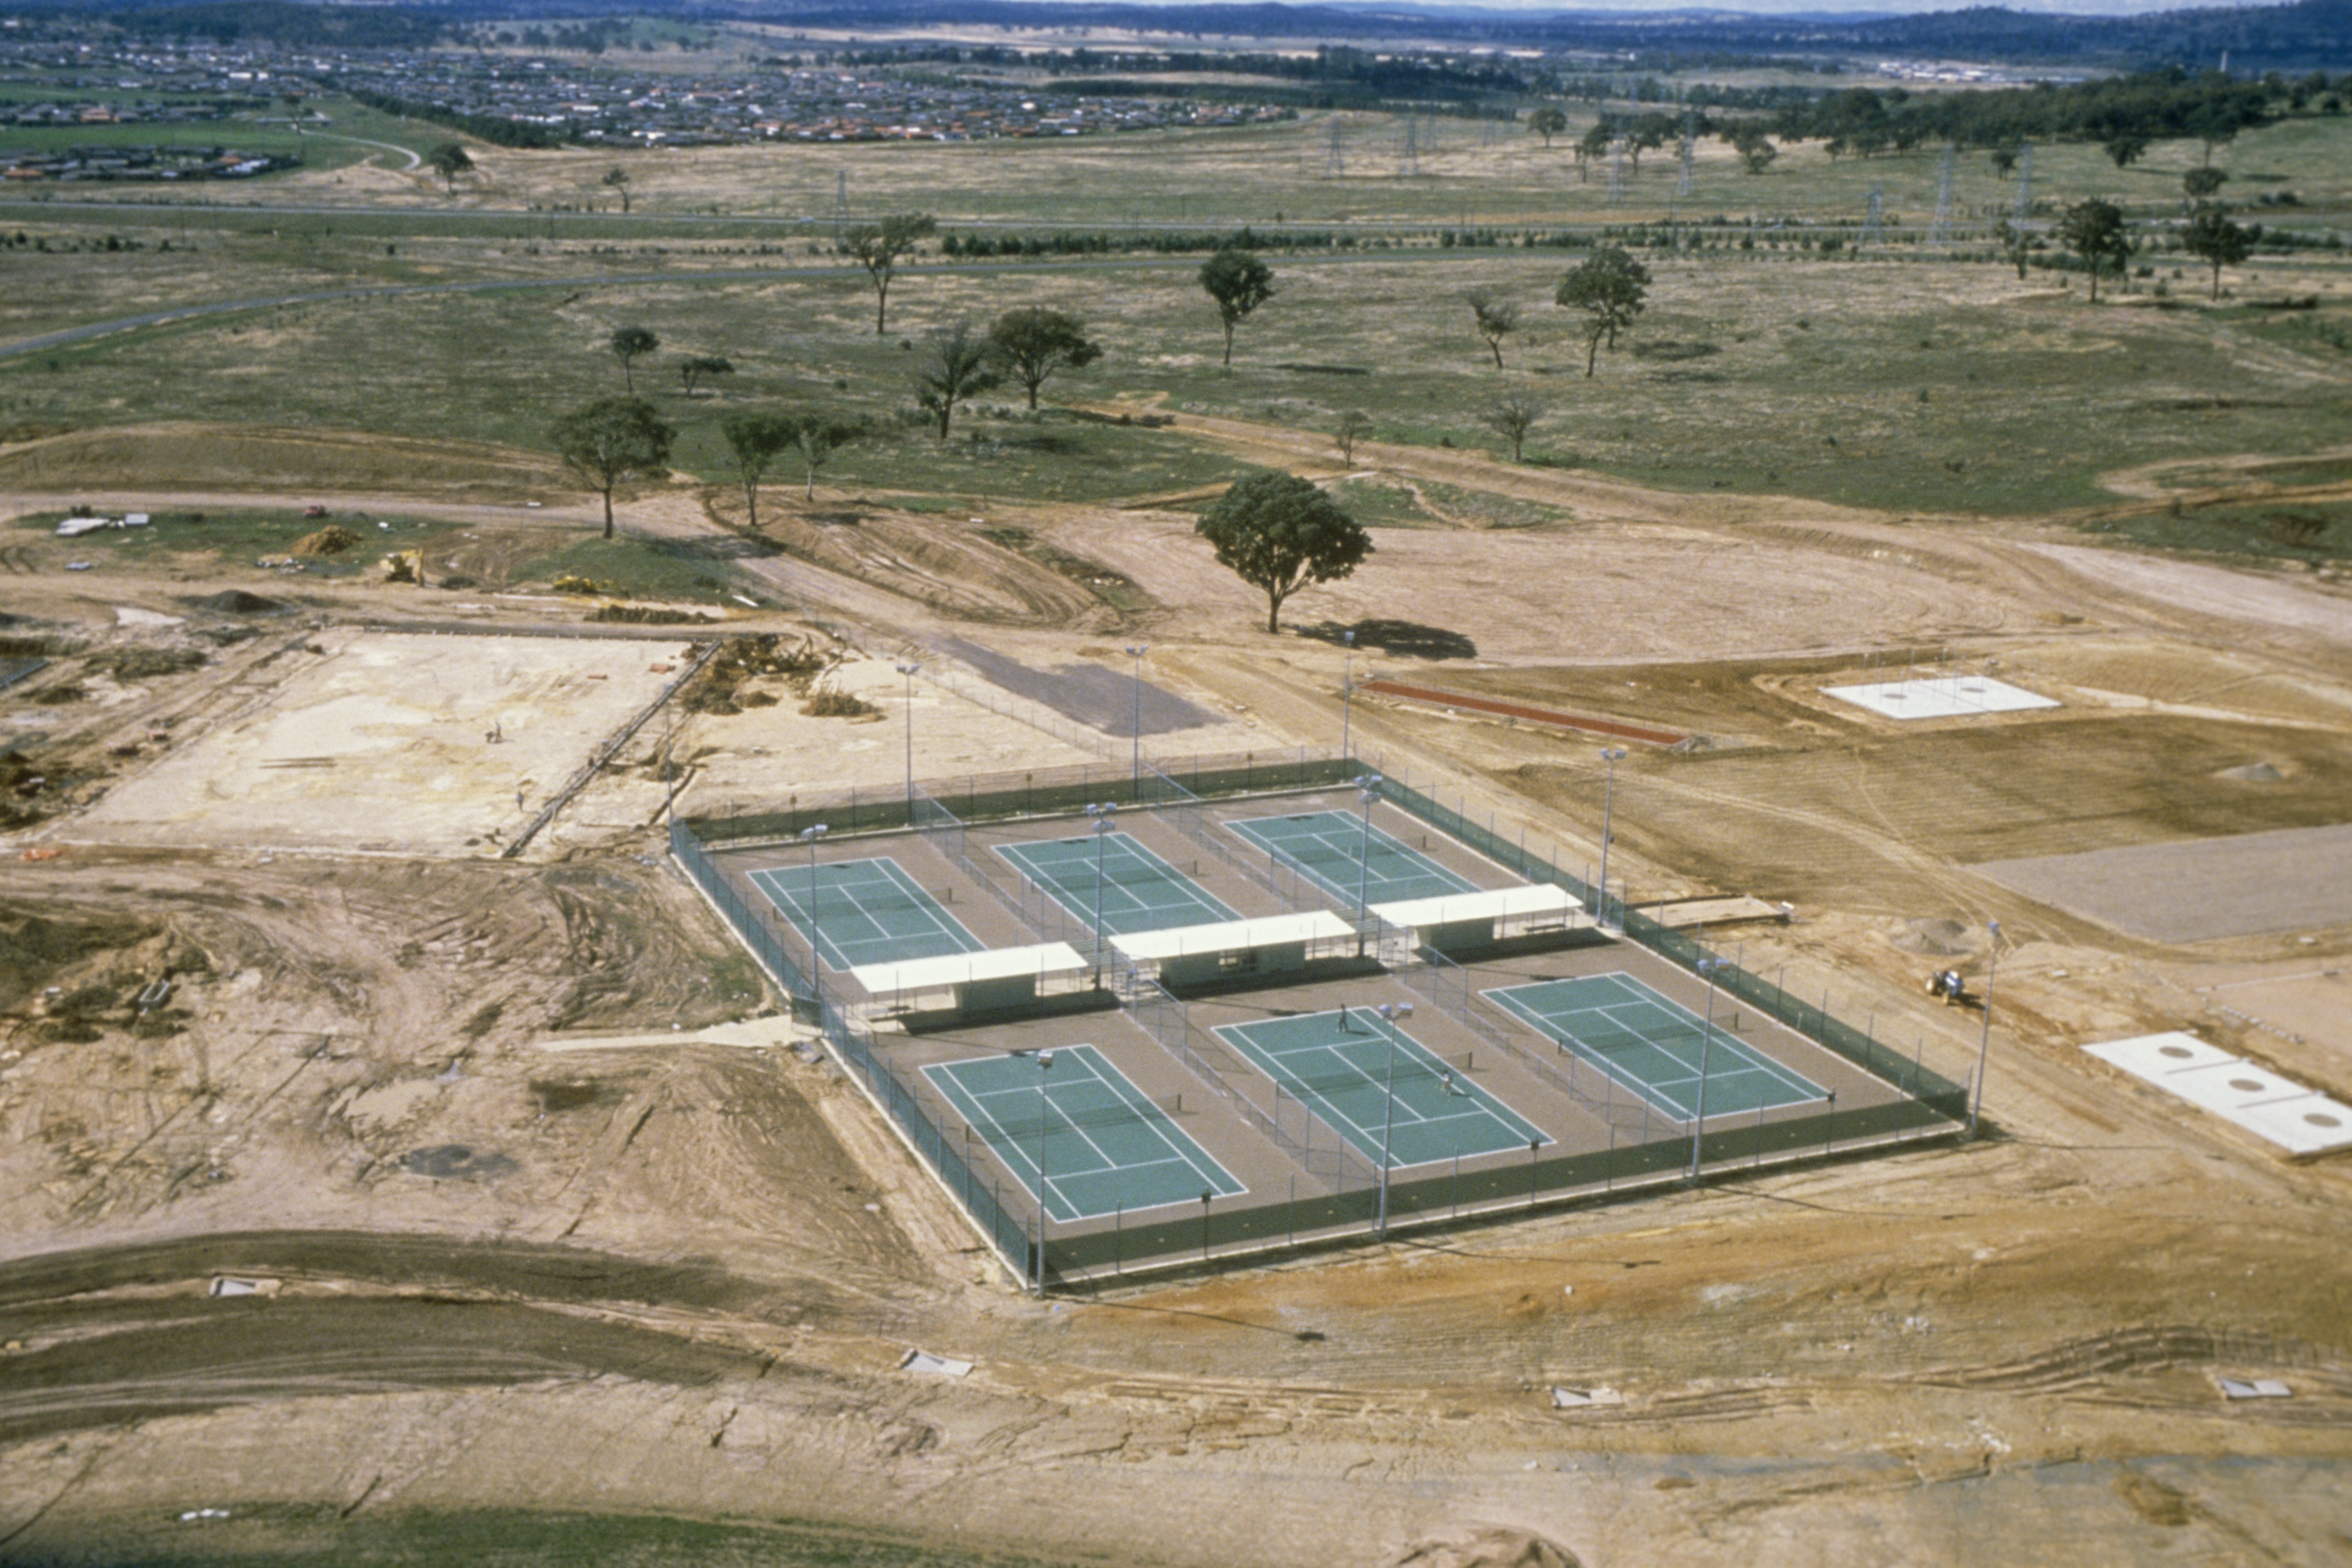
[1231,936]
[1490,904]
[958,968]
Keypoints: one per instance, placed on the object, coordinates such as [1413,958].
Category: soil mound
[1944,938]
[331,540]
[235,602]
[1494,1547]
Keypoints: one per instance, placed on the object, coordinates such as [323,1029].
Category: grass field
[1909,380]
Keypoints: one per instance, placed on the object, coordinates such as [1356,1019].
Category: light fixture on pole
[808,836]
[1368,792]
[1101,817]
[1044,1104]
[1346,696]
[908,669]
[1707,967]
[1612,755]
[1984,1033]
[1389,1012]
[1137,653]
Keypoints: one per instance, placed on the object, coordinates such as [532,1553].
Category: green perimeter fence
[1930,1105]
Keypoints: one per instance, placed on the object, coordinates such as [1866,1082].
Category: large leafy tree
[954,368]
[879,247]
[1239,283]
[1278,532]
[449,160]
[755,438]
[1547,123]
[616,180]
[1612,288]
[695,367]
[630,345]
[2214,239]
[2093,230]
[1494,318]
[613,440]
[1032,343]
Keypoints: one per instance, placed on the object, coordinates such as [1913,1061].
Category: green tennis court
[863,912]
[1340,1067]
[1332,847]
[1651,1046]
[1103,1145]
[1139,891]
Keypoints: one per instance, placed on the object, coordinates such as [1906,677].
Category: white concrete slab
[1951,697]
[2152,1055]
[2277,1109]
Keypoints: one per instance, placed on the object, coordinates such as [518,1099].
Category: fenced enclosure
[1306,1183]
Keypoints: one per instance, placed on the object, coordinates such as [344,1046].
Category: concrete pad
[2296,878]
[1952,697]
[386,743]
[2269,1106]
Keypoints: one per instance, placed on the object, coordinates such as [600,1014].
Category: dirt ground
[535,1228]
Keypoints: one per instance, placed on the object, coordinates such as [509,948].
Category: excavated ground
[533,1232]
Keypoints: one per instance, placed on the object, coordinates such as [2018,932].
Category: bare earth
[544,1225]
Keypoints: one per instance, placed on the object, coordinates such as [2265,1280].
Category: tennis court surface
[1651,1046]
[1338,1065]
[1333,849]
[863,912]
[1139,891]
[1105,1147]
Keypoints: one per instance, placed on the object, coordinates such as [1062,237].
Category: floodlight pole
[1389,1012]
[1137,653]
[1367,792]
[1101,817]
[808,836]
[1707,967]
[1348,696]
[908,669]
[1611,755]
[1045,1066]
[1984,1033]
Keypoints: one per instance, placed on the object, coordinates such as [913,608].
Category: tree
[1239,282]
[1612,288]
[1754,149]
[1593,144]
[1280,533]
[616,179]
[2016,241]
[878,247]
[1353,427]
[697,366]
[2125,147]
[756,437]
[1547,123]
[2093,230]
[2213,238]
[449,160]
[816,439]
[630,343]
[1512,418]
[1034,343]
[2203,184]
[1494,319]
[954,369]
[612,440]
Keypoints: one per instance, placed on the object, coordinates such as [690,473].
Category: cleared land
[559,1255]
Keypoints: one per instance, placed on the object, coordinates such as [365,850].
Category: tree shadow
[1398,639]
